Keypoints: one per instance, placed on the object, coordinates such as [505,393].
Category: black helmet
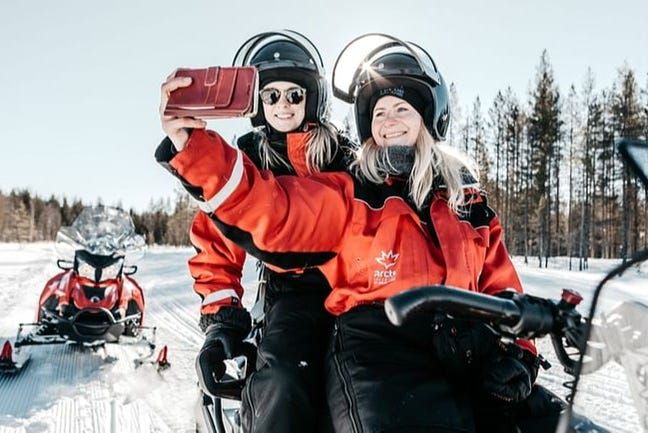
[376,65]
[287,56]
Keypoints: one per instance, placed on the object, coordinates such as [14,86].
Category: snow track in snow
[70,388]
[24,270]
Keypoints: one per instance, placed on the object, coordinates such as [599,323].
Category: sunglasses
[294,95]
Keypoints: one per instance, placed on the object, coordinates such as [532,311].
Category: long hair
[432,159]
[321,148]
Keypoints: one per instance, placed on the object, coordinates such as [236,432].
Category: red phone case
[215,93]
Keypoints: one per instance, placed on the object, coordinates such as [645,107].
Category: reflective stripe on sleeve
[219,296]
[212,204]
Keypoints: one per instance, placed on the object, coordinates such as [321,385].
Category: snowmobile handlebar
[512,314]
[424,299]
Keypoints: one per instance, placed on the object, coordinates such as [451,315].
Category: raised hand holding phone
[176,128]
[207,93]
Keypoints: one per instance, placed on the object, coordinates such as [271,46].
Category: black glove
[509,375]
[461,346]
[224,334]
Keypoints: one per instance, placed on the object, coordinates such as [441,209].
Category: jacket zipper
[345,385]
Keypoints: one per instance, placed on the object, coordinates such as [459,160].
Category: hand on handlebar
[221,343]
[461,345]
[508,376]
[510,314]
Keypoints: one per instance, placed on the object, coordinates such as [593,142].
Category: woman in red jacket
[292,136]
[410,215]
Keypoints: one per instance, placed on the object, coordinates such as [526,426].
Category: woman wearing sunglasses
[411,214]
[291,136]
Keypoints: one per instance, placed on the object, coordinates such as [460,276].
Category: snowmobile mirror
[66,265]
[130,270]
[635,154]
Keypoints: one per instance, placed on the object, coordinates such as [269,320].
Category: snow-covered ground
[65,390]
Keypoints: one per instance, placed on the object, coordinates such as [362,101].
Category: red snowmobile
[94,300]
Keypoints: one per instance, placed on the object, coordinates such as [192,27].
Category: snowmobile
[617,339]
[94,301]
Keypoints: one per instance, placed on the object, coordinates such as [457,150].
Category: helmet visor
[353,67]
[247,51]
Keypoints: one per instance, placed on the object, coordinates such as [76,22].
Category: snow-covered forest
[550,165]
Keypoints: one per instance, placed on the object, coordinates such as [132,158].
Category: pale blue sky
[80,79]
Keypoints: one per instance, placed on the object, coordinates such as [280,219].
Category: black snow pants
[384,379]
[287,393]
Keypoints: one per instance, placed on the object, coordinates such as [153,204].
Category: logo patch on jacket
[388,261]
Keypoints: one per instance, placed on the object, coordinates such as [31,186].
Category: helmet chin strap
[401,160]
[273,134]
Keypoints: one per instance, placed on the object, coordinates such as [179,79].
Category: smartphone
[216,92]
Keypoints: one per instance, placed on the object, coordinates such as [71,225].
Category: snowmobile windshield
[353,67]
[253,45]
[103,231]
[613,387]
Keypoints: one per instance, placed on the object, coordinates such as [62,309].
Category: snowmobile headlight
[86,270]
[112,271]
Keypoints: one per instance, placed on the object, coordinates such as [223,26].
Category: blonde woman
[411,214]
[291,136]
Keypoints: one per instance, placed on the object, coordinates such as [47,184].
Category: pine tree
[626,118]
[19,222]
[180,221]
[591,137]
[605,240]
[572,125]
[516,202]
[497,125]
[478,144]
[544,135]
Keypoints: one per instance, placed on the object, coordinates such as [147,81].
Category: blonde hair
[432,159]
[321,148]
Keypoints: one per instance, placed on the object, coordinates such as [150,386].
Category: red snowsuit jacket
[218,264]
[368,243]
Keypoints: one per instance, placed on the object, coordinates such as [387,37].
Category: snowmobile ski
[12,361]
